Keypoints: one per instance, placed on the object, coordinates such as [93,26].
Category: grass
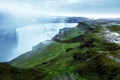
[114,28]
[87,57]
[8,72]
[94,56]
[69,36]
[48,53]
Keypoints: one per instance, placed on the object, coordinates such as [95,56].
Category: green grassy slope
[70,39]
[114,28]
[8,72]
[85,56]
[44,55]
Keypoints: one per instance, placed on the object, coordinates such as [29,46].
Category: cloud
[30,7]
[61,2]
[60,7]
[19,8]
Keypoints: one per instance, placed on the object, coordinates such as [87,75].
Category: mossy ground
[8,72]
[114,28]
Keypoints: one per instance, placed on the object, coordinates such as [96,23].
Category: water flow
[31,35]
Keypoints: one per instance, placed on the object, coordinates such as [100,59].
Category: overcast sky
[88,8]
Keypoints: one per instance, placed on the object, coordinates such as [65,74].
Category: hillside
[66,38]
[86,52]
[8,72]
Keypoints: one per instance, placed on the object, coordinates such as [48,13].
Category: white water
[30,35]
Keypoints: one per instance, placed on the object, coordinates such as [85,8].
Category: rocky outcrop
[114,58]
[85,26]
[66,77]
[65,33]
[112,37]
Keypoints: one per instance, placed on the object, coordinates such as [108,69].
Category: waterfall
[30,35]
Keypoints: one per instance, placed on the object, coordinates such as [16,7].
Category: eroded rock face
[81,28]
[85,26]
[63,32]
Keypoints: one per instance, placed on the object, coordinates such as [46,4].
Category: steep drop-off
[80,53]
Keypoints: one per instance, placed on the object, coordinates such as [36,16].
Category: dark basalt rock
[63,32]
[68,49]
[85,26]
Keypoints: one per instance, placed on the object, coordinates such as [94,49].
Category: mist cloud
[61,7]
